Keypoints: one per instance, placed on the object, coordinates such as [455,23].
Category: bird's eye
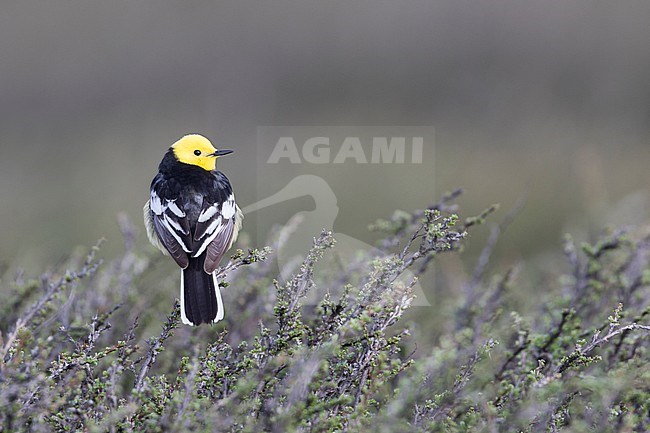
[197,152]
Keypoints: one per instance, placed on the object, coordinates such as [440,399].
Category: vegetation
[74,355]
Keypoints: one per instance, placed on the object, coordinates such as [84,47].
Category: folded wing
[214,231]
[172,227]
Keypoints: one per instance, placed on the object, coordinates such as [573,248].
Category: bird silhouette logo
[297,234]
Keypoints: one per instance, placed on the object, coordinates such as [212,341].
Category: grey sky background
[546,98]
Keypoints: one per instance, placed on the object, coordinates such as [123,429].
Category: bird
[192,216]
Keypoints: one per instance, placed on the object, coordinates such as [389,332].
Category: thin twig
[156,345]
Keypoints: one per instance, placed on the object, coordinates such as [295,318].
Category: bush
[73,358]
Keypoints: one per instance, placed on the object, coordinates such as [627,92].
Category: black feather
[199,293]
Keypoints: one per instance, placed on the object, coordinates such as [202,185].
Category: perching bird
[192,215]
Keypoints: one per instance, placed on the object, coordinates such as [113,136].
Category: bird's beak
[221,152]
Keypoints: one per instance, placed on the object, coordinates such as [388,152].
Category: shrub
[73,358]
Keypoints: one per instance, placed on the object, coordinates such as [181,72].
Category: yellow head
[195,149]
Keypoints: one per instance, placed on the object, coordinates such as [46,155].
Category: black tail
[200,296]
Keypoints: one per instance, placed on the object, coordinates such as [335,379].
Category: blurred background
[544,100]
